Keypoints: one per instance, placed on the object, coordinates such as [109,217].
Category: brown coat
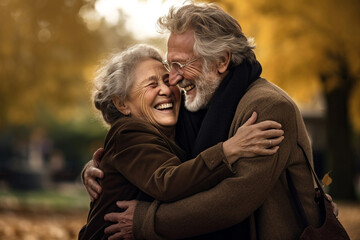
[140,162]
[258,196]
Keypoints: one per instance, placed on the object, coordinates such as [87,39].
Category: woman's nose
[164,89]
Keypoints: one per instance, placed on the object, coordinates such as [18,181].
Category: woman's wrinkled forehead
[155,71]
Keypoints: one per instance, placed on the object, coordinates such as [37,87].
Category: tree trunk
[339,145]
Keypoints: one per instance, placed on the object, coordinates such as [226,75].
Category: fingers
[267,147]
[112,229]
[267,151]
[120,222]
[270,138]
[251,120]
[93,195]
[269,143]
[271,133]
[267,125]
[97,156]
[90,178]
[91,184]
[94,173]
[126,204]
[112,217]
[122,204]
[91,174]
[274,132]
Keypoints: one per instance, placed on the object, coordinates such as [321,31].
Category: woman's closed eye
[152,84]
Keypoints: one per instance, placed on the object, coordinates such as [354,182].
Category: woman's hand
[91,173]
[252,139]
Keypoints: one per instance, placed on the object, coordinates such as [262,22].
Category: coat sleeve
[145,160]
[232,200]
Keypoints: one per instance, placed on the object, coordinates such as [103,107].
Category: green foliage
[77,140]
[61,199]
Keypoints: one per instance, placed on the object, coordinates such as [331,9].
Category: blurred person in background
[141,160]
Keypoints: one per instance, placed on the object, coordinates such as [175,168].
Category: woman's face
[151,97]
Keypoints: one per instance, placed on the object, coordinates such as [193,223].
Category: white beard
[206,86]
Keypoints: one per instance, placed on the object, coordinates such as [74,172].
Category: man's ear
[224,62]
[120,105]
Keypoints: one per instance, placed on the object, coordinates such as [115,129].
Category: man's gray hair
[215,32]
[116,77]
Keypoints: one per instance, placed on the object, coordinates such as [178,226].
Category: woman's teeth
[164,106]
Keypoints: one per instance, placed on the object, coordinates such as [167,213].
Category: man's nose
[174,77]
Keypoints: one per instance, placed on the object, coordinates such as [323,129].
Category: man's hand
[91,173]
[123,222]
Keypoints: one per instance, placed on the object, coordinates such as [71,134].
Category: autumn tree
[49,51]
[44,48]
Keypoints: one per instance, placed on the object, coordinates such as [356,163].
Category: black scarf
[197,131]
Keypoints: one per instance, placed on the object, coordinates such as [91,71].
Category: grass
[59,198]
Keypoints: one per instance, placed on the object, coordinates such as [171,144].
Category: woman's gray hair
[116,77]
[215,32]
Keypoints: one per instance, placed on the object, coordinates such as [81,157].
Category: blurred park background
[49,51]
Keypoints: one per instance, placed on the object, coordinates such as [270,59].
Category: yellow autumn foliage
[298,41]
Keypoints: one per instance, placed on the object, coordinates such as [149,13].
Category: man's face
[198,86]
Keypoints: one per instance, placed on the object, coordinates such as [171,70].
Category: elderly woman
[141,160]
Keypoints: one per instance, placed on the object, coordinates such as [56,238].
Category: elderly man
[210,58]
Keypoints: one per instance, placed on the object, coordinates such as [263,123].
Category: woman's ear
[120,105]
[224,62]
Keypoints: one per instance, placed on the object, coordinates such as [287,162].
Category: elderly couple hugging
[198,143]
